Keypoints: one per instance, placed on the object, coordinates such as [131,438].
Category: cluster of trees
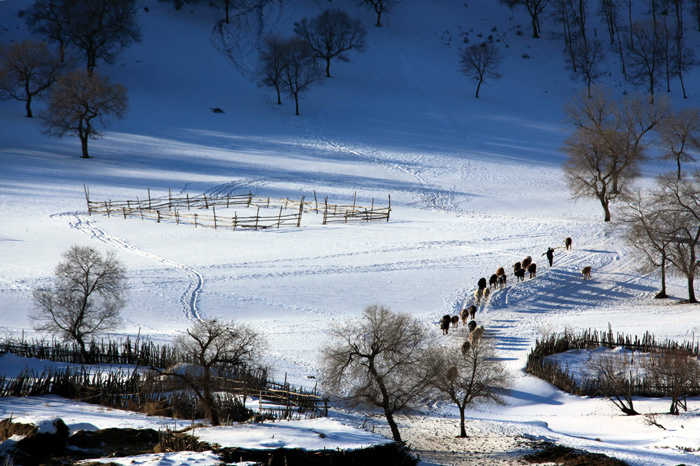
[291,65]
[388,361]
[609,143]
[79,103]
[650,51]
[87,296]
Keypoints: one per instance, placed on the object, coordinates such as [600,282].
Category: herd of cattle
[496,281]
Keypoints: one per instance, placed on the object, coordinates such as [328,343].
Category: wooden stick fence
[179,210]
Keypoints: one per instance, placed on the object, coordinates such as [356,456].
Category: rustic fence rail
[183,210]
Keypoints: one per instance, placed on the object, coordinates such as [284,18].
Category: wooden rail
[184,210]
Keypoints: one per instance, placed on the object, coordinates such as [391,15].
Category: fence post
[158,215]
[149,198]
[206,204]
[316,200]
[124,212]
[388,210]
[188,201]
[107,209]
[301,209]
[177,217]
[213,209]
[195,219]
[279,218]
[354,198]
[325,212]
[140,207]
[170,199]
[250,198]
[235,220]
[87,198]
[228,197]
[257,217]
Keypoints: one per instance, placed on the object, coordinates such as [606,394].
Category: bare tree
[272,57]
[679,133]
[380,7]
[27,69]
[586,60]
[645,223]
[99,28]
[480,62]
[616,379]
[51,19]
[80,104]
[609,10]
[217,351]
[380,361]
[676,374]
[681,201]
[645,56]
[86,297]
[300,69]
[475,375]
[534,8]
[606,148]
[331,34]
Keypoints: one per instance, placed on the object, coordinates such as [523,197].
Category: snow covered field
[475,184]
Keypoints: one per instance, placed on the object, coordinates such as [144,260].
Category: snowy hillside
[475,184]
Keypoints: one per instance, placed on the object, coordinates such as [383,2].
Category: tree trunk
[84,355]
[328,67]
[535,35]
[662,294]
[462,430]
[606,208]
[478,86]
[84,146]
[210,408]
[279,96]
[392,425]
[296,102]
[691,290]
[28,106]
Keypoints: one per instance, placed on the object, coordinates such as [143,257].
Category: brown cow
[532,270]
[568,242]
[586,272]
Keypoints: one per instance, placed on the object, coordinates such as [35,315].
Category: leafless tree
[676,374]
[81,104]
[586,60]
[300,69]
[27,69]
[616,379]
[379,361]
[645,225]
[480,62]
[50,19]
[609,10]
[606,147]
[534,8]
[99,28]
[86,297]
[331,34]
[471,376]
[679,133]
[272,57]
[217,350]
[681,201]
[645,56]
[380,7]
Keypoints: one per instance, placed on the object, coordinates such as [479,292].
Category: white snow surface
[475,184]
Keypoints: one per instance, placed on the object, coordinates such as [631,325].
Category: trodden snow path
[188,299]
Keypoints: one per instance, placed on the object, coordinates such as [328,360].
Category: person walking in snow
[550,255]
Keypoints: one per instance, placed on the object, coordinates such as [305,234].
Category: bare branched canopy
[606,148]
[217,350]
[480,62]
[470,376]
[27,69]
[676,374]
[81,105]
[272,60]
[300,69]
[331,34]
[380,361]
[86,298]
[616,379]
[680,136]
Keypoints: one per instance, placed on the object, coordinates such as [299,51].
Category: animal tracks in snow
[188,299]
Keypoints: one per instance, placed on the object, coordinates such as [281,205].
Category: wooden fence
[179,210]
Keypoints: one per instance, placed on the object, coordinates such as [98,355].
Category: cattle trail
[188,300]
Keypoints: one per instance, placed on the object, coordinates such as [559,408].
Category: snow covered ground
[475,184]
